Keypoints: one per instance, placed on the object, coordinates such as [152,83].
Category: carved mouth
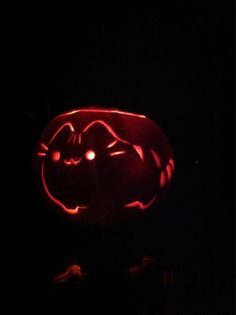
[58,202]
[141,205]
[72,162]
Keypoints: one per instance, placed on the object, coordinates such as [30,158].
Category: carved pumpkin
[103,166]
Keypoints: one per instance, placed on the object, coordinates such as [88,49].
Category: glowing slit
[61,277]
[156,158]
[74,139]
[79,138]
[140,204]
[56,201]
[112,144]
[102,111]
[70,138]
[63,126]
[107,126]
[163,179]
[41,154]
[117,153]
[139,150]
[169,171]
[172,163]
[73,270]
[44,146]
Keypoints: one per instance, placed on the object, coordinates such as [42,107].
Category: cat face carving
[92,167]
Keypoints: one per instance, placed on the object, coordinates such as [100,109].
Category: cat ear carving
[101,130]
[66,131]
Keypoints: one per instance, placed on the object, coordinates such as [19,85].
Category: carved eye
[90,155]
[55,156]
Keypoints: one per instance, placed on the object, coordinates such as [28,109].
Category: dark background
[177,69]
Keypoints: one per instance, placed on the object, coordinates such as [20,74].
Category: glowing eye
[90,155]
[55,155]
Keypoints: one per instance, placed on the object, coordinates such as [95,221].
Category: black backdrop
[176,68]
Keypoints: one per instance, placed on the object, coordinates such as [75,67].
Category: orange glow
[117,153]
[41,154]
[169,171]
[139,150]
[44,146]
[108,127]
[63,126]
[163,179]
[73,270]
[90,155]
[157,158]
[55,156]
[140,204]
[172,163]
[55,200]
[112,144]
[109,111]
[61,277]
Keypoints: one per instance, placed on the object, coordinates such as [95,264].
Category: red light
[140,204]
[157,158]
[67,162]
[139,150]
[44,146]
[113,132]
[169,171]
[71,137]
[172,163]
[41,154]
[74,139]
[163,179]
[73,270]
[117,153]
[90,155]
[63,126]
[107,126]
[55,200]
[102,111]
[55,155]
[72,161]
[79,138]
[112,144]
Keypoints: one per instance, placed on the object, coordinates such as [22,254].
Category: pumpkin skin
[103,166]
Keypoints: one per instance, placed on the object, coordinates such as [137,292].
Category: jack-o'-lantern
[103,166]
